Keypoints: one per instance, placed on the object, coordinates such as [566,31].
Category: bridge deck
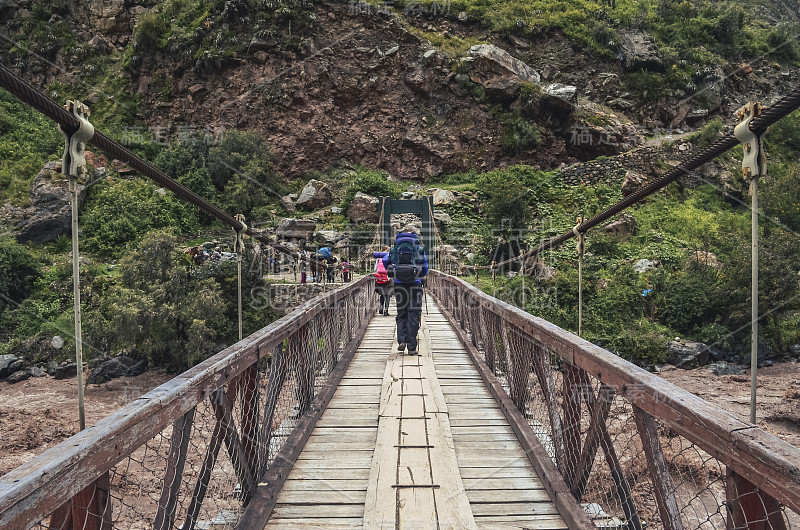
[413,442]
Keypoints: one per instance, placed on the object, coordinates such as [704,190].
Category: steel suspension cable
[33,97]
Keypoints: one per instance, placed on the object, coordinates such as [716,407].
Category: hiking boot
[380,311]
[412,352]
[401,347]
[387,313]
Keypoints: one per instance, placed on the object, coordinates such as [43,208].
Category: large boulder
[638,51]
[49,214]
[288,204]
[707,258]
[18,376]
[632,182]
[558,97]
[688,354]
[296,229]
[442,219]
[121,366]
[500,73]
[364,208]
[316,194]
[621,229]
[5,363]
[443,197]
[328,238]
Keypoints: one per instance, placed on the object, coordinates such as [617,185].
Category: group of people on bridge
[401,270]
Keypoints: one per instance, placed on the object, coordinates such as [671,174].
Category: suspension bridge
[504,420]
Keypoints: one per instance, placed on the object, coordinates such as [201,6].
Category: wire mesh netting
[202,468]
[627,468]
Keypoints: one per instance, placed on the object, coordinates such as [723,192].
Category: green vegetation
[27,140]
[207,33]
[373,182]
[18,271]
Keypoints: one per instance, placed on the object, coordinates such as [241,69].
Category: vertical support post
[754,165]
[76,289]
[754,300]
[239,249]
[580,248]
[73,165]
[522,273]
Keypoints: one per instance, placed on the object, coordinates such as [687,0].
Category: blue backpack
[325,252]
[407,257]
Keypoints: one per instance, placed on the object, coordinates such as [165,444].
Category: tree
[161,310]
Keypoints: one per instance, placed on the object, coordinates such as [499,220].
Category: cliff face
[352,85]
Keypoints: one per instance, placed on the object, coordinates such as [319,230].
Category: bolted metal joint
[754,162]
[73,161]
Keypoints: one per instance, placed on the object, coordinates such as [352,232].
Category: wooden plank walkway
[413,442]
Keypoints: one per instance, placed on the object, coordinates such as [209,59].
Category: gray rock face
[49,214]
[563,97]
[316,194]
[621,229]
[328,237]
[442,219]
[644,265]
[498,71]
[364,208]
[638,51]
[632,182]
[288,204]
[66,371]
[121,366]
[296,229]
[5,363]
[443,197]
[688,355]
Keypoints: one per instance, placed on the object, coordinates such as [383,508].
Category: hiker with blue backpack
[408,265]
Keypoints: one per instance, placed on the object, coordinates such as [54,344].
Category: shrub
[519,134]
[708,134]
[121,212]
[18,270]
[374,182]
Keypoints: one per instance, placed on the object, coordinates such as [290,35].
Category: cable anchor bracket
[238,244]
[754,161]
[73,161]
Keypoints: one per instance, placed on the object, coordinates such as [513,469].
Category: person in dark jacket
[408,284]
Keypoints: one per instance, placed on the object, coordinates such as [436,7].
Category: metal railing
[634,449]
[208,449]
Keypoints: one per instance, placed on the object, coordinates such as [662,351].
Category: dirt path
[37,414]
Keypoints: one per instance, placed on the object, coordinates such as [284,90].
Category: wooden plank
[310,523]
[515,508]
[323,496]
[292,484]
[475,485]
[662,481]
[179,443]
[507,495]
[333,511]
